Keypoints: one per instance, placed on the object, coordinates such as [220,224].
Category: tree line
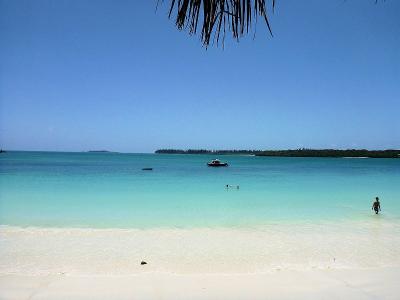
[303,152]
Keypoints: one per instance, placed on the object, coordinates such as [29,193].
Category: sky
[118,75]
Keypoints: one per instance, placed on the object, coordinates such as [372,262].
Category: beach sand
[306,261]
[314,284]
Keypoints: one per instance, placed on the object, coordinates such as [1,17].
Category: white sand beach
[199,150]
[314,284]
[308,261]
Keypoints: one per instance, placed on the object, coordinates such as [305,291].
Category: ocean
[110,190]
[100,213]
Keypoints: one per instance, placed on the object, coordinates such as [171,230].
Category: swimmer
[231,186]
[376,206]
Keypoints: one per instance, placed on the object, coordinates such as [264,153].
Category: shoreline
[49,251]
[313,261]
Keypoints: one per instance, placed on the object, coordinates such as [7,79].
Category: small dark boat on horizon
[216,163]
[147,169]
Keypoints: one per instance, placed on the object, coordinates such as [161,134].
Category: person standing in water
[376,206]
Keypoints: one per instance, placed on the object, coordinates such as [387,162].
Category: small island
[100,151]
[303,152]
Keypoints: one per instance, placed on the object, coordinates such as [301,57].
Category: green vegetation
[333,153]
[293,153]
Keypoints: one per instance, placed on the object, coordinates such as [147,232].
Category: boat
[216,163]
[147,169]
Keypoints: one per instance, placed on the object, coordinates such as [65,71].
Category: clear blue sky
[116,75]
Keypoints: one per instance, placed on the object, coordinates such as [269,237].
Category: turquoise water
[109,190]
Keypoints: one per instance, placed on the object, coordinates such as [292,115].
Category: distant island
[100,151]
[204,151]
[292,153]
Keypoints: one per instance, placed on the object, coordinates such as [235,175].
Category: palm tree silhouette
[214,17]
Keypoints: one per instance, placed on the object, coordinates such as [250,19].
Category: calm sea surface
[109,190]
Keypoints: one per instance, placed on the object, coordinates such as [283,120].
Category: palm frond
[218,16]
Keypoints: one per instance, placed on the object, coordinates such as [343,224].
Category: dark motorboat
[147,169]
[216,163]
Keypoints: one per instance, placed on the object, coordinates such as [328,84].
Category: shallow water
[109,190]
[99,213]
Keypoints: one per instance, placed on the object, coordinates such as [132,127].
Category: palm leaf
[215,17]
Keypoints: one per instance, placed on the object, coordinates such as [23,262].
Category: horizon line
[193,149]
